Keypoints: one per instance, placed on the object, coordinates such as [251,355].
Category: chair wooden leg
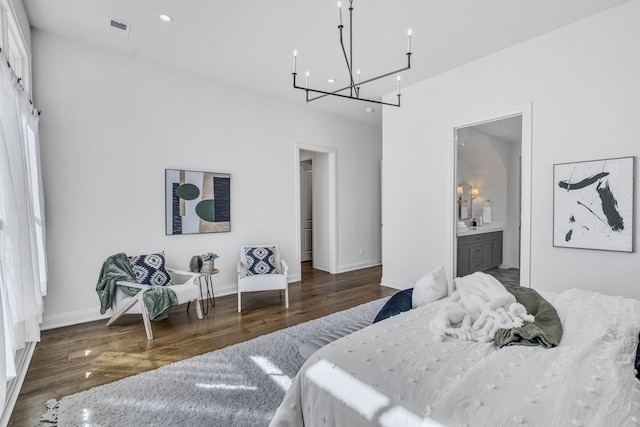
[239,302]
[127,306]
[286,297]
[146,320]
[198,308]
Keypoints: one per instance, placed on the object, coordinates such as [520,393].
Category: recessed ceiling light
[166,18]
[331,80]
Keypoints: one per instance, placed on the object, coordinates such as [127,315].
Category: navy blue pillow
[150,269]
[638,359]
[398,303]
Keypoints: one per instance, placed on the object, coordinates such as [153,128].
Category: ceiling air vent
[120,27]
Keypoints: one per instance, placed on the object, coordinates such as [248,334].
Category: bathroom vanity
[479,248]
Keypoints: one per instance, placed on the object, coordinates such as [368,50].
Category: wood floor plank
[79,357]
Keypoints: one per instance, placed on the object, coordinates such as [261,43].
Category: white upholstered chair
[124,304]
[262,269]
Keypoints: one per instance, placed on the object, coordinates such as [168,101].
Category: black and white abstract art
[593,204]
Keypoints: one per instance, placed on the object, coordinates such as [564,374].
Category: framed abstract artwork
[593,204]
[197,202]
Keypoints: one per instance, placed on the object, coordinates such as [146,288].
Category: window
[23,281]
[14,45]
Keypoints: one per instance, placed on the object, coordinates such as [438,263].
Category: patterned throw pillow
[260,260]
[150,269]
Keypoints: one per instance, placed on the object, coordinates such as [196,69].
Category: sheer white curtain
[22,258]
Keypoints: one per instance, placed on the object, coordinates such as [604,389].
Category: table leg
[207,295]
[210,294]
[205,309]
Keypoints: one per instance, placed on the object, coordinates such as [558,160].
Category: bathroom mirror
[464,201]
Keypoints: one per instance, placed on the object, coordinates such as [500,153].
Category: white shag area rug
[240,385]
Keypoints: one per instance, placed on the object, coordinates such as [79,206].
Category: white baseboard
[396,284]
[223,290]
[507,265]
[23,358]
[76,317]
[358,266]
[69,318]
[321,267]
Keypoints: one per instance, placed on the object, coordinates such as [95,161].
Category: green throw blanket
[545,331]
[157,299]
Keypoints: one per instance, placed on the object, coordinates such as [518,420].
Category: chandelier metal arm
[324,93]
[353,86]
[357,86]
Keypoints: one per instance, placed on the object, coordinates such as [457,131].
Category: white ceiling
[250,44]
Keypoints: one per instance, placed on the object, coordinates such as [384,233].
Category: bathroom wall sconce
[474,193]
[459,191]
[463,199]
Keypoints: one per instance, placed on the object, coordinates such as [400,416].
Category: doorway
[492,188]
[317,188]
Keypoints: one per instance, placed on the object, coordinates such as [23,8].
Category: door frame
[332,208]
[524,110]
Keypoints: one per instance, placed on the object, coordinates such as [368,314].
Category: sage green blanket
[545,331]
[157,299]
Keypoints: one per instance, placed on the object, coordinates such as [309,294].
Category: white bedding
[478,308]
[393,373]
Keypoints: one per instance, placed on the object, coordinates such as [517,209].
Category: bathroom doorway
[492,193]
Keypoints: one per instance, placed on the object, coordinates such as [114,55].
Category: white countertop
[486,228]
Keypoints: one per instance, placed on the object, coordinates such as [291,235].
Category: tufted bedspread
[394,373]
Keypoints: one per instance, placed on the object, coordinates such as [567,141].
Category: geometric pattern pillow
[260,260]
[150,269]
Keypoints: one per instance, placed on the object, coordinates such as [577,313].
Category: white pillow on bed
[430,288]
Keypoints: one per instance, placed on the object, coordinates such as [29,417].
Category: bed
[397,373]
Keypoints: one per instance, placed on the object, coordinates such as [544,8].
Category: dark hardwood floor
[76,358]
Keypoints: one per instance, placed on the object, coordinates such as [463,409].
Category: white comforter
[394,373]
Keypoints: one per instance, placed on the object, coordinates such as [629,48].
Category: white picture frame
[593,204]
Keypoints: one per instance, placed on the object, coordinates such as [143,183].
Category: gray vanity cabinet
[479,252]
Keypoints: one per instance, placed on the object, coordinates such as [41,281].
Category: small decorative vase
[208,267]
[195,264]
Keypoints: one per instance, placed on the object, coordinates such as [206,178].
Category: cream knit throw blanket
[478,307]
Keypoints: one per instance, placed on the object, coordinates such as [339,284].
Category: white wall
[487,170]
[110,126]
[582,81]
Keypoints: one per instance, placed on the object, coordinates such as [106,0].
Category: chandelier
[354,83]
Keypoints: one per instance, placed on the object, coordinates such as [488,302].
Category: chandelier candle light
[354,86]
